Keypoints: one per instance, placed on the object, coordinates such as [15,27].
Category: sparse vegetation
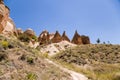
[98,62]
[30,60]
[31,76]
[24,38]
[16,60]
[4,44]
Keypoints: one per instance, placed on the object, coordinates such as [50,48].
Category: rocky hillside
[20,62]
[98,62]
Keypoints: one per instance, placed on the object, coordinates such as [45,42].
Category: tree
[98,41]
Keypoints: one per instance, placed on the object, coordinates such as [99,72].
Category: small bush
[23,57]
[45,55]
[24,38]
[4,44]
[30,60]
[31,76]
[35,38]
[3,56]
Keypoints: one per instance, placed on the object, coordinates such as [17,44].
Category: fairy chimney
[57,38]
[64,37]
[77,39]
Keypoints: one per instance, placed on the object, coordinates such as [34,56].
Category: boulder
[29,32]
[19,31]
[57,38]
[64,37]
[77,39]
[85,39]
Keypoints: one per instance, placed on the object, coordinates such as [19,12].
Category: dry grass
[98,62]
[20,62]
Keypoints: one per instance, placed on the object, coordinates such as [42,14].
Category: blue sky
[95,18]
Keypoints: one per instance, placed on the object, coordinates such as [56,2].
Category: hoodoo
[77,39]
[57,38]
[65,37]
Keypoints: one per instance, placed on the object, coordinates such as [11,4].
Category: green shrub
[4,44]
[45,55]
[24,38]
[31,76]
[35,38]
[30,60]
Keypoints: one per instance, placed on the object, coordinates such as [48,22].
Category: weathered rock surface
[57,38]
[85,39]
[77,39]
[64,37]
[7,25]
[19,31]
[44,37]
[10,28]
[4,15]
[29,32]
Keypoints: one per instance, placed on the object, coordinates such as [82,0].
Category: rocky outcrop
[57,38]
[10,28]
[77,39]
[4,15]
[19,31]
[7,26]
[51,36]
[29,32]
[85,39]
[44,37]
[64,37]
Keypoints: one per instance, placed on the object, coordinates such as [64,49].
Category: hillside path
[74,75]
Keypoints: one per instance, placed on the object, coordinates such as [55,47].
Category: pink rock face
[4,16]
[7,26]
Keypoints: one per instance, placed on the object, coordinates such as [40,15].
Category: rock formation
[57,38]
[51,35]
[7,25]
[64,37]
[29,32]
[10,28]
[44,37]
[19,31]
[77,39]
[85,39]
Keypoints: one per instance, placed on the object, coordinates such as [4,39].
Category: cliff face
[7,25]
